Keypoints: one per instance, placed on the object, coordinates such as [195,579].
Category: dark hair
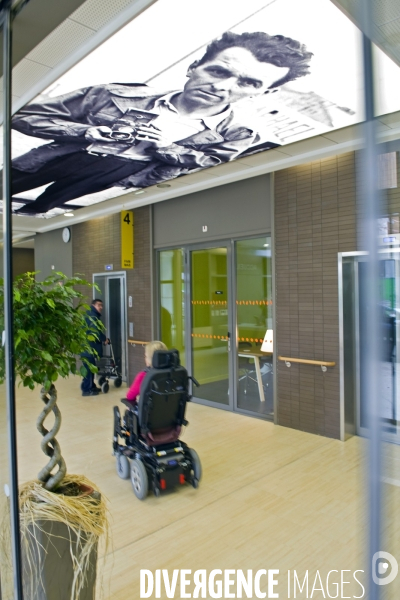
[96,300]
[275,49]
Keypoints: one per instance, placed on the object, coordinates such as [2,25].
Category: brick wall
[97,243]
[315,218]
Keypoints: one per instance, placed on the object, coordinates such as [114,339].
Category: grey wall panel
[50,250]
[236,209]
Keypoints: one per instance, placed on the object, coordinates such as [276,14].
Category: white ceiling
[84,30]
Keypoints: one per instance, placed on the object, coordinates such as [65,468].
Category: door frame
[361,431]
[229,243]
[121,275]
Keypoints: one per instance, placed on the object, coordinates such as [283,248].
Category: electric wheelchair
[146,441]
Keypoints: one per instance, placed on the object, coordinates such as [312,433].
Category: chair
[245,364]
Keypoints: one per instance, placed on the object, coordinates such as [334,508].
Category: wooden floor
[270,497]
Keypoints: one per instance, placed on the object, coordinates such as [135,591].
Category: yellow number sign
[127,240]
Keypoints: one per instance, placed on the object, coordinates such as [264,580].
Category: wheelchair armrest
[130,405]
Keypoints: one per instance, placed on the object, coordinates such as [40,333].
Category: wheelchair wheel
[139,479]
[105,387]
[101,380]
[118,382]
[196,465]
[122,465]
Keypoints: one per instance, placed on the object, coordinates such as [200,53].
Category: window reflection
[172,309]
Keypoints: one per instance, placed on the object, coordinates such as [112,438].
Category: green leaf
[47,341]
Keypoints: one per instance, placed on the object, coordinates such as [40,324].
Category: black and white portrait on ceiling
[254,87]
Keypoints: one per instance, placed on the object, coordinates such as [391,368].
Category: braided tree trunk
[49,444]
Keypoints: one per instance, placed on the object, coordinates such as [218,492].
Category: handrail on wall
[324,364]
[137,342]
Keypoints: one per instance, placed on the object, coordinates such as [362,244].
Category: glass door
[113,294]
[209,324]
[215,307]
[354,334]
[254,372]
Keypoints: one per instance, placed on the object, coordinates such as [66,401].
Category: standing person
[134,391]
[92,147]
[93,317]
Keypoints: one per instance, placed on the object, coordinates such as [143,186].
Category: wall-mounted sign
[127,240]
[249,77]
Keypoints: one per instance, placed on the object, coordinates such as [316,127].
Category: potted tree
[62,516]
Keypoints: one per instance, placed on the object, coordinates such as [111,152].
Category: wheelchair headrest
[165,359]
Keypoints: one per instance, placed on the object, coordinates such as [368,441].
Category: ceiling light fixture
[163,185]
[69,214]
[139,192]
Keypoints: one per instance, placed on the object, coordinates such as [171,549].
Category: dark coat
[93,319]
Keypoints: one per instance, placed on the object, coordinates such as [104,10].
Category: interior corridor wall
[52,254]
[97,243]
[315,218]
[233,210]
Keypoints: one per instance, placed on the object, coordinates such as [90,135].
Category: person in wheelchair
[134,391]
[146,441]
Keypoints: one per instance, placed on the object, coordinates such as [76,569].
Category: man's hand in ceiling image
[132,136]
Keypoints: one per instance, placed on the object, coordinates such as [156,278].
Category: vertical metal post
[371,371]
[8,304]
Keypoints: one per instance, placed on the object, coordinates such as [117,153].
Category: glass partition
[355,343]
[172,300]
[6,571]
[254,319]
[209,334]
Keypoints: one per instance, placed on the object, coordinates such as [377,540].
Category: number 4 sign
[127,240]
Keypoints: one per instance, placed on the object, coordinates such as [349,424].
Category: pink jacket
[134,390]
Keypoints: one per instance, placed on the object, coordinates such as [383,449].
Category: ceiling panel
[61,42]
[37,19]
[26,73]
[95,14]
[392,120]
[263,158]
[386,19]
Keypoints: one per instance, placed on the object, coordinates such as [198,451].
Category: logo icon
[384,568]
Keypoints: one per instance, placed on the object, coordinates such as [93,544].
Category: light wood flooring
[270,497]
